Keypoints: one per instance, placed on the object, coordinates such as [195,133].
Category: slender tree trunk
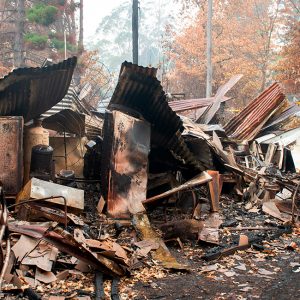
[73,23]
[209,49]
[19,34]
[135,31]
[80,41]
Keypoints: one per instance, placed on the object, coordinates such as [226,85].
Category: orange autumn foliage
[94,76]
[243,43]
[288,67]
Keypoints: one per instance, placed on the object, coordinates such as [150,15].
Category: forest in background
[257,38]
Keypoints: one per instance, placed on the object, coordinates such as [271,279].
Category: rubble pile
[108,203]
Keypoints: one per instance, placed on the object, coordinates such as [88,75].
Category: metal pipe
[209,49]
[78,179]
[65,146]
[135,31]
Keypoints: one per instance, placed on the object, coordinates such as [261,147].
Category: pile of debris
[106,201]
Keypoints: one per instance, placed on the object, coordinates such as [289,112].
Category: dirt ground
[248,284]
[271,273]
[269,270]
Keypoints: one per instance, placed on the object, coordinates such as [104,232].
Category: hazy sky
[94,11]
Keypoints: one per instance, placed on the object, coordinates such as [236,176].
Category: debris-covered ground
[158,205]
[264,271]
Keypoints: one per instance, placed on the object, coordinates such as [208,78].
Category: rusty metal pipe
[78,179]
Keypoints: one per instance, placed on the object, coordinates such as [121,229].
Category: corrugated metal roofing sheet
[66,103]
[74,122]
[285,138]
[138,89]
[102,106]
[247,124]
[29,92]
[275,123]
[188,104]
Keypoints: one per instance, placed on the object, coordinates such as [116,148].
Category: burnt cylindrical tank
[41,165]
[36,135]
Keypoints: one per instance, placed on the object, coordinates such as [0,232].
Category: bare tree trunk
[268,49]
[19,35]
[80,41]
[209,49]
[73,23]
[135,31]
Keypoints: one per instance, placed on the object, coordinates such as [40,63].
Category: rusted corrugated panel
[247,124]
[191,104]
[11,153]
[29,92]
[127,174]
[139,90]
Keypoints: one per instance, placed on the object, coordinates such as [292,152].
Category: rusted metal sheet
[29,92]
[191,104]
[127,174]
[35,211]
[11,153]
[66,243]
[247,124]
[214,190]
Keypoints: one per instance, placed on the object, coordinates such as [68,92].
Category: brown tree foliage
[94,78]
[288,67]
[243,43]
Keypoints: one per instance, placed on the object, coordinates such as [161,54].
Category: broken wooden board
[271,209]
[162,254]
[210,230]
[200,179]
[36,189]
